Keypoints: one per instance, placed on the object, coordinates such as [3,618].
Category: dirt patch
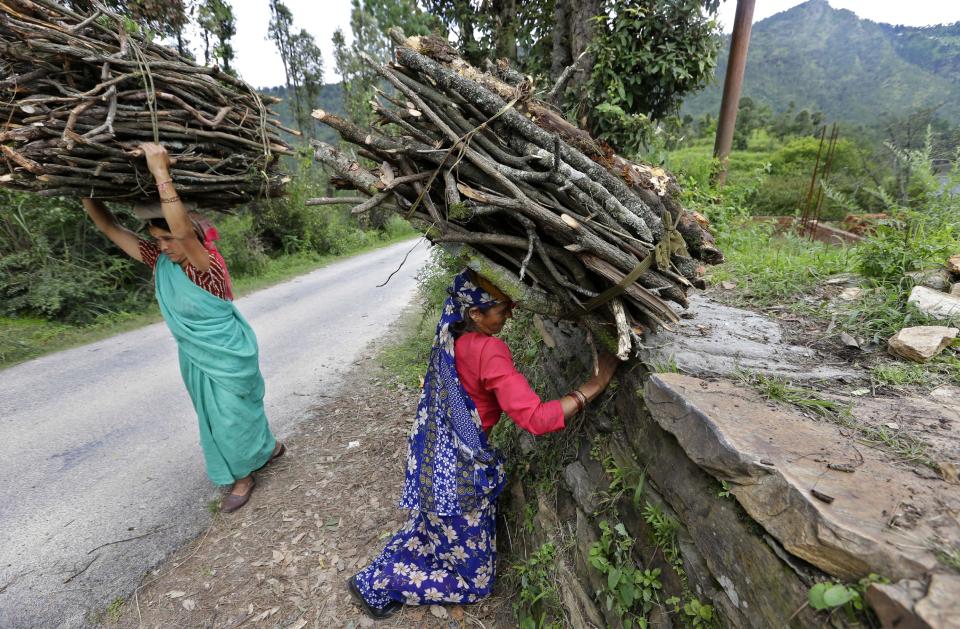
[318,515]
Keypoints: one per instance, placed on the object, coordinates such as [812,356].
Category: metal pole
[736,63]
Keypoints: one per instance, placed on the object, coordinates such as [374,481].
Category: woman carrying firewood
[446,551]
[218,351]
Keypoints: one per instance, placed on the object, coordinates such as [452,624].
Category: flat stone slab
[937,305]
[921,343]
[719,340]
[846,507]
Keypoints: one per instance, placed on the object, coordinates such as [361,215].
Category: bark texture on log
[81,92]
[553,217]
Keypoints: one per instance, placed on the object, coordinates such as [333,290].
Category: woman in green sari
[219,359]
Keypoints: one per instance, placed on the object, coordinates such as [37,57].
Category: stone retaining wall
[753,574]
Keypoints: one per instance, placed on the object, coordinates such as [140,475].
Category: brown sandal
[276,455]
[232,502]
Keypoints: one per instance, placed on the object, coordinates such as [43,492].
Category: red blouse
[486,369]
[214,280]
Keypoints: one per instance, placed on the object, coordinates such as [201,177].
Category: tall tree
[306,66]
[369,22]
[647,55]
[281,23]
[217,26]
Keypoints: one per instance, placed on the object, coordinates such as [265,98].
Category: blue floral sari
[446,551]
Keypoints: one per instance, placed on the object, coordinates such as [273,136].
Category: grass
[901,444]
[898,374]
[779,390]
[769,268]
[666,364]
[407,359]
[24,338]
[948,554]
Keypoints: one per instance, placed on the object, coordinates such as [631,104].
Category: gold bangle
[170,200]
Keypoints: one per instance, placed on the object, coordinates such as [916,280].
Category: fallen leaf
[456,613]
[848,340]
[438,611]
[353,444]
[175,594]
[949,472]
[264,614]
[860,392]
[189,604]
[300,624]
[728,285]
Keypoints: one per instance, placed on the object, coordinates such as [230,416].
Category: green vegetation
[855,70]
[902,444]
[629,590]
[828,596]
[538,604]
[63,284]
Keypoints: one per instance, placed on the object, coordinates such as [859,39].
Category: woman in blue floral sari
[446,551]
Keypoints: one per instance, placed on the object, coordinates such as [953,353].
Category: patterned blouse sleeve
[149,252]
[514,394]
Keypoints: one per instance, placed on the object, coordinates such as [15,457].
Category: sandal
[277,453]
[232,502]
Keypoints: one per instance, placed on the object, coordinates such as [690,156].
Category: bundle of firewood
[552,216]
[79,93]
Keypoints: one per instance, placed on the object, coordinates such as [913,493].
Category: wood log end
[571,222]
[319,114]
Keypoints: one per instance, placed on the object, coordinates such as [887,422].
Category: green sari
[219,362]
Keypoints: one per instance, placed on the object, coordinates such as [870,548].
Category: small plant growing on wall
[630,591]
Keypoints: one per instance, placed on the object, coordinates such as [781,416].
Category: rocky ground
[317,516]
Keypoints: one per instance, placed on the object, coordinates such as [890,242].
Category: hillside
[852,69]
[331,99]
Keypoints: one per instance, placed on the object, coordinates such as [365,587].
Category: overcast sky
[258,62]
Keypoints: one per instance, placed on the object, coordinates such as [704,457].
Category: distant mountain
[331,99]
[852,69]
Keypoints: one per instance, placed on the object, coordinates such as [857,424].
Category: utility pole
[736,63]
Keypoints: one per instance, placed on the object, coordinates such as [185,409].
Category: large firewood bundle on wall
[552,216]
[78,93]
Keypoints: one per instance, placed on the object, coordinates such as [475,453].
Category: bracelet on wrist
[581,396]
[578,400]
[170,200]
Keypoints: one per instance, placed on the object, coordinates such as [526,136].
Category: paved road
[99,444]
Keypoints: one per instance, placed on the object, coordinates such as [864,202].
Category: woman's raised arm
[107,223]
[158,161]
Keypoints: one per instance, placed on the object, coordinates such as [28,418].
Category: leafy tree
[648,54]
[216,21]
[517,30]
[369,22]
[750,117]
[279,31]
[306,67]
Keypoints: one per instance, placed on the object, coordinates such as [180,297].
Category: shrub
[241,246]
